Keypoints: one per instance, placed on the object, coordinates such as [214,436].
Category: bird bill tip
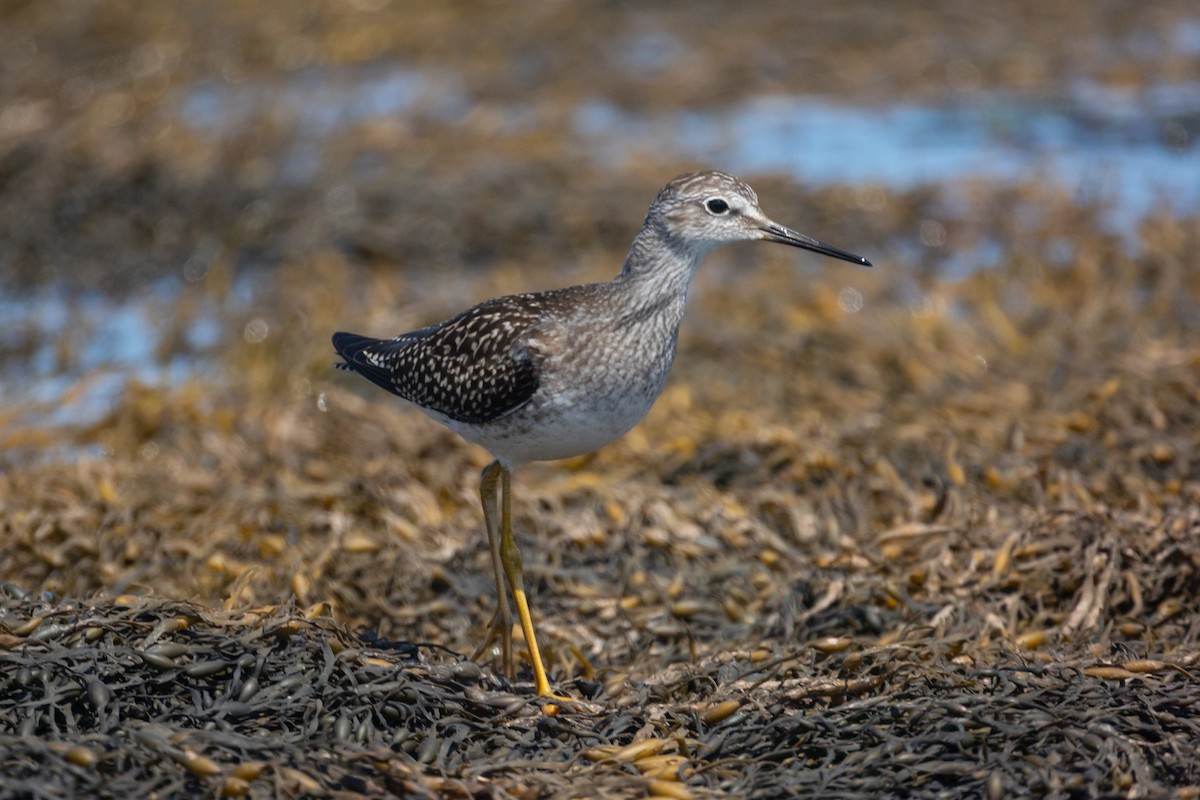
[773,232]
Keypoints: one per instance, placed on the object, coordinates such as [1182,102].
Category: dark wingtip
[349,345]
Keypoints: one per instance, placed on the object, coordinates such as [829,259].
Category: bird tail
[354,350]
[349,346]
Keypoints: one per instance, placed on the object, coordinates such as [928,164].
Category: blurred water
[316,104]
[319,102]
[109,343]
[1134,151]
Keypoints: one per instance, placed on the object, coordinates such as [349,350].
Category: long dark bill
[778,233]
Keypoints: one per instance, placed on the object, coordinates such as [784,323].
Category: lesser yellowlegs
[548,375]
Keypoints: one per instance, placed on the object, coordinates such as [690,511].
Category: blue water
[1135,152]
[111,344]
[320,102]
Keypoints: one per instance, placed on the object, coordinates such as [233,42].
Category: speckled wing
[473,368]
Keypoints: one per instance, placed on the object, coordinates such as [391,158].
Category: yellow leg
[502,620]
[506,564]
[510,556]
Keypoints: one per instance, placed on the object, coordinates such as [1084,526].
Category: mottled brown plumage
[472,369]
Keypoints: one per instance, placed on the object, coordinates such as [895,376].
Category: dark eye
[717,206]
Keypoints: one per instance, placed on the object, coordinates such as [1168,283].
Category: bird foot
[500,628]
[555,704]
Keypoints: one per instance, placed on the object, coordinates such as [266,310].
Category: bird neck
[660,265]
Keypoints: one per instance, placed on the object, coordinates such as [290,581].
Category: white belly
[561,427]
[592,391]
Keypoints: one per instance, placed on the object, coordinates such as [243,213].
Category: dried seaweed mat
[141,697]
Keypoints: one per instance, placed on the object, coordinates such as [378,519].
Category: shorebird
[560,373]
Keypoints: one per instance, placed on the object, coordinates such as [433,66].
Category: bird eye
[716,206]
